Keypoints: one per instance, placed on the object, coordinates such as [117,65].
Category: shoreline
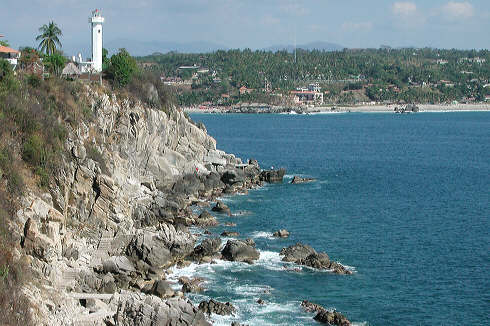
[439,108]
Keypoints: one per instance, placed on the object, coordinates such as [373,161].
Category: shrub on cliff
[122,67]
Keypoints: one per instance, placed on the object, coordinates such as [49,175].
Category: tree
[4,43]
[105,59]
[122,67]
[49,38]
[55,63]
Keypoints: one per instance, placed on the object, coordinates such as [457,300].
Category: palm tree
[49,38]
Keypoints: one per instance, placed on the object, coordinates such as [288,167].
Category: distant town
[317,78]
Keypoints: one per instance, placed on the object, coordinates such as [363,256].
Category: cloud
[404,9]
[458,10]
[357,26]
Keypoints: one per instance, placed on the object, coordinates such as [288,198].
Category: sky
[258,23]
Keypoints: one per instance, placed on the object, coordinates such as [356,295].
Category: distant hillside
[141,48]
[322,46]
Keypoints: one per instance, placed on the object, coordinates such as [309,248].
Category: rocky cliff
[116,216]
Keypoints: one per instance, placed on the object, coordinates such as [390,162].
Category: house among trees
[11,55]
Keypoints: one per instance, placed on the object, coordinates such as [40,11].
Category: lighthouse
[96,22]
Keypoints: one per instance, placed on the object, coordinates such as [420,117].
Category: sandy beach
[363,108]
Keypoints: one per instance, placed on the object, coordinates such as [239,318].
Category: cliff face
[116,216]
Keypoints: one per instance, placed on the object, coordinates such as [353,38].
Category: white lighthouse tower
[96,21]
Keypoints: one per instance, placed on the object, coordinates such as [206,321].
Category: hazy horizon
[256,25]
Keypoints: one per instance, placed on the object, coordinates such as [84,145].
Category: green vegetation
[121,68]
[348,77]
[55,63]
[4,43]
[49,38]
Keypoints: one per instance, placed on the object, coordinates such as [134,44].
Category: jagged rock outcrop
[220,207]
[325,316]
[236,250]
[116,213]
[305,255]
[207,248]
[283,233]
[215,307]
[272,176]
[141,310]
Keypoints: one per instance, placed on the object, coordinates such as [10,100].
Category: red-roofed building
[307,97]
[11,55]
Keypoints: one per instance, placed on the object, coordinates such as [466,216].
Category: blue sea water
[403,200]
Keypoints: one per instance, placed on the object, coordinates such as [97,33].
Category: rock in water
[215,307]
[272,176]
[206,219]
[281,233]
[296,252]
[332,318]
[236,250]
[221,208]
[207,248]
[229,234]
[307,256]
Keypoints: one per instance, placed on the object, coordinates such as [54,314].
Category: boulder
[215,307]
[221,208]
[281,233]
[137,309]
[149,248]
[230,177]
[296,252]
[162,289]
[206,219]
[332,318]
[311,307]
[305,255]
[297,179]
[118,264]
[229,234]
[191,286]
[272,176]
[236,250]
[207,248]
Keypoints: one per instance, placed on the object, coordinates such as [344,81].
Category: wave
[262,234]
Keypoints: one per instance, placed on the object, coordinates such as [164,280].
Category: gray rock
[215,307]
[151,310]
[332,318]
[236,250]
[206,219]
[281,233]
[162,289]
[221,208]
[296,252]
[207,248]
[230,234]
[272,176]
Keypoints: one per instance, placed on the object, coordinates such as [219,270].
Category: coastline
[476,107]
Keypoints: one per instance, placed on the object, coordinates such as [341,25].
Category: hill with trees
[350,76]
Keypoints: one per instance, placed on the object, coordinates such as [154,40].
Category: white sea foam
[270,260]
[242,213]
[262,234]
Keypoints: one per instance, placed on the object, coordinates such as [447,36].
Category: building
[307,97]
[11,55]
[96,21]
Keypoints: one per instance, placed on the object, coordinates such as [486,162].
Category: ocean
[402,200]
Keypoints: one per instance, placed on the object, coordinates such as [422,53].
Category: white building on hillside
[95,63]
[96,20]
